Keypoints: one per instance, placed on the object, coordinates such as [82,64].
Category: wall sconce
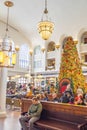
[43,49]
[57,46]
[31,52]
[17,48]
[76,41]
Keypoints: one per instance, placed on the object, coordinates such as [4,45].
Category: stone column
[3,84]
[29,69]
[17,59]
[57,59]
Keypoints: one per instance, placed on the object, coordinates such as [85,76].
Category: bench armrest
[82,125]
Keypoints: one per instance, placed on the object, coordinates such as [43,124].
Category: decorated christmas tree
[70,66]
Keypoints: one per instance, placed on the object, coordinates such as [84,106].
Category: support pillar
[3,84]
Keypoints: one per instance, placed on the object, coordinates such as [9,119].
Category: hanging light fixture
[45,26]
[7,49]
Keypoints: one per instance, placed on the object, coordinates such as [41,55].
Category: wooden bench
[58,116]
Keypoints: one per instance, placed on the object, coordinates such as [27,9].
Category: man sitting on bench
[32,116]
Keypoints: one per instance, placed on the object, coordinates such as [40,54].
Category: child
[79,98]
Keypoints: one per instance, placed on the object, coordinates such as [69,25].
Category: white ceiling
[69,16]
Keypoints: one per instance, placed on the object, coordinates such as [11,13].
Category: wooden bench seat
[60,121]
[55,125]
[57,116]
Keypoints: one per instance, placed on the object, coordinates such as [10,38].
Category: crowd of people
[50,93]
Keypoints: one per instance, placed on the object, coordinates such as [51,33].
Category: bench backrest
[59,111]
[66,117]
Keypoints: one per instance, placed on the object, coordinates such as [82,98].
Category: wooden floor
[11,122]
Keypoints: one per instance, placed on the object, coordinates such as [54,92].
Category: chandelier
[45,26]
[7,49]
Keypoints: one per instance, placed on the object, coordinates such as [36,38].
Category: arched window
[84,38]
[84,43]
[37,50]
[24,56]
[38,58]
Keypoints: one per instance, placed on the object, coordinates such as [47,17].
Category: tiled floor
[11,122]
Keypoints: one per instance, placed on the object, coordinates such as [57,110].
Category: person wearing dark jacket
[67,97]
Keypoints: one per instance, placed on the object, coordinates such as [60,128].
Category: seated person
[79,91]
[67,97]
[50,98]
[79,97]
[44,96]
[52,88]
[32,116]
[38,96]
[29,93]
[79,100]
[54,97]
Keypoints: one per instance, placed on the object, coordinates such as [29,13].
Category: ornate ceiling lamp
[7,49]
[45,26]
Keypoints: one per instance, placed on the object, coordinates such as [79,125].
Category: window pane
[24,56]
